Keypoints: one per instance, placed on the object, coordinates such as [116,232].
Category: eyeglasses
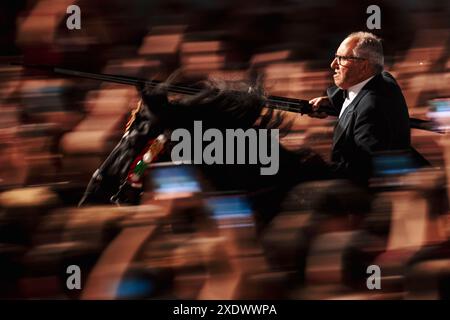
[343,60]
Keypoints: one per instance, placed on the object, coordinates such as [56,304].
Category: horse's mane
[219,105]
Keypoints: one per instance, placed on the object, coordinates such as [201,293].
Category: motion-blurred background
[55,131]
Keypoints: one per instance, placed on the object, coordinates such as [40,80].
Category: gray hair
[369,47]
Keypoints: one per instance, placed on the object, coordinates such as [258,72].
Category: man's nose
[334,64]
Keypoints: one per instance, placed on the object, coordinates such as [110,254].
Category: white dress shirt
[352,92]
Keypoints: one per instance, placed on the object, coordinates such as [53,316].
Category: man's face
[350,71]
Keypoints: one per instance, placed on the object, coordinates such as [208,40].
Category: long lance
[274,102]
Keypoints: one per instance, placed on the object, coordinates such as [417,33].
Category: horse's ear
[208,92]
[171,79]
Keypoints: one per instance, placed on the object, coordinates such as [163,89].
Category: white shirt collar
[354,90]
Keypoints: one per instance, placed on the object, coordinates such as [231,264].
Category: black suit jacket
[376,120]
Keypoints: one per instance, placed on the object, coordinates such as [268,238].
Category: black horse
[218,105]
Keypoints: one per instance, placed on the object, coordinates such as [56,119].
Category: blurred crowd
[180,242]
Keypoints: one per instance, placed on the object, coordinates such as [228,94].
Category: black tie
[344,94]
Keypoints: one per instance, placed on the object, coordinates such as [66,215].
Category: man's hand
[316,104]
